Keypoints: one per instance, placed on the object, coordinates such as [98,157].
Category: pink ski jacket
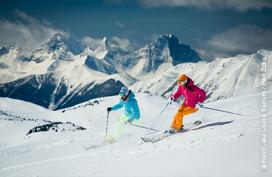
[191,92]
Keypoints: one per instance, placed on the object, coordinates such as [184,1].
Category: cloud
[240,5]
[122,43]
[27,32]
[91,42]
[243,38]
[121,25]
[114,42]
[240,39]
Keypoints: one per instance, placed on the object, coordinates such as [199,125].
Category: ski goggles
[122,94]
[180,82]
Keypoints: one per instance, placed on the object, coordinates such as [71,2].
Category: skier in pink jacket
[192,95]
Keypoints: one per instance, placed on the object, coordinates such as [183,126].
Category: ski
[162,135]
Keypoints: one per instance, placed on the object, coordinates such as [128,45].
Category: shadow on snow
[214,124]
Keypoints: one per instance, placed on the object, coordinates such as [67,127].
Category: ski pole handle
[199,105]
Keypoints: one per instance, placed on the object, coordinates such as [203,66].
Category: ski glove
[109,109]
[170,100]
[198,105]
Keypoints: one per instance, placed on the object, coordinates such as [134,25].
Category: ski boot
[170,131]
[109,140]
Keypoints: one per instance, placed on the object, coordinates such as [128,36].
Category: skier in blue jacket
[132,111]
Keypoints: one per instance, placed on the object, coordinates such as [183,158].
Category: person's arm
[201,95]
[117,106]
[136,111]
[135,114]
[177,94]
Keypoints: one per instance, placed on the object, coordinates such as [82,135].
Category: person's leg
[178,119]
[118,127]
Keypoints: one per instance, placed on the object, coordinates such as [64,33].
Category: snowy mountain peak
[103,49]
[165,40]
[60,46]
[64,42]
[165,37]
[159,55]
[87,52]
[60,77]
[55,42]
[179,52]
[104,44]
[12,52]
[104,40]
[3,51]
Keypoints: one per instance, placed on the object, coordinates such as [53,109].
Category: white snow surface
[225,145]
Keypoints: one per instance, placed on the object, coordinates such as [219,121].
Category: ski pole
[144,127]
[221,110]
[162,110]
[159,115]
[107,124]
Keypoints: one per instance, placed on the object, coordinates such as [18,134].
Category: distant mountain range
[221,78]
[64,71]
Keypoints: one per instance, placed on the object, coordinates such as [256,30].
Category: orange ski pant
[178,119]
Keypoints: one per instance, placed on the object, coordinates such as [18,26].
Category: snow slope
[224,145]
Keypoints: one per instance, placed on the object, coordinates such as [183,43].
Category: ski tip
[197,122]
[144,139]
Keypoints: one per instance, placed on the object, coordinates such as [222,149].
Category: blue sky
[222,27]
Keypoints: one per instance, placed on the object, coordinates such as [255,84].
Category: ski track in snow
[47,161]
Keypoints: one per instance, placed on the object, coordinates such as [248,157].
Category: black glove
[170,100]
[198,105]
[109,109]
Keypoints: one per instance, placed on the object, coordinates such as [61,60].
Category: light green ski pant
[119,126]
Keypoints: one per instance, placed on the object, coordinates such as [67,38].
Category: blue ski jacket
[131,107]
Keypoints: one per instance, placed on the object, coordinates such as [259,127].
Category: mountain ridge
[63,68]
